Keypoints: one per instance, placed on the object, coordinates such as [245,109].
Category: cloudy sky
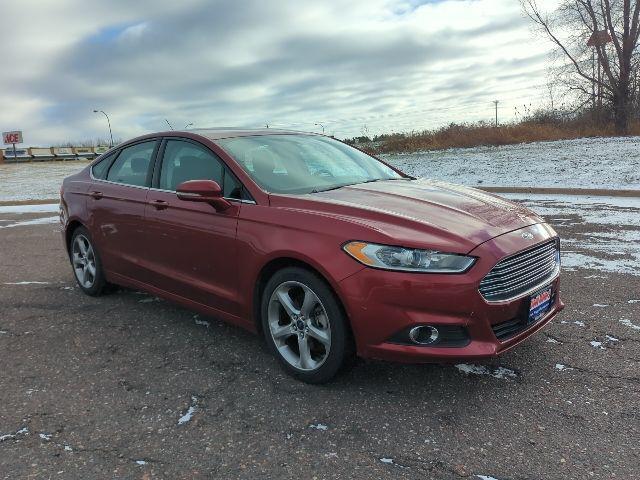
[392,65]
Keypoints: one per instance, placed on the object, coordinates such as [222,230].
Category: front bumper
[382,303]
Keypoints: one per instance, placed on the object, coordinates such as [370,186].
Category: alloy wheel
[84,261]
[299,325]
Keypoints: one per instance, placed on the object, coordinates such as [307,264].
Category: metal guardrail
[36,154]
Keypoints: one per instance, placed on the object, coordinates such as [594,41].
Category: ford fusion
[324,250]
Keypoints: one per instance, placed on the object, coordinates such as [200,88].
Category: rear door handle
[96,195]
[160,204]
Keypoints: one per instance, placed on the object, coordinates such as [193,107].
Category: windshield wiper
[315,190]
[383,180]
[408,178]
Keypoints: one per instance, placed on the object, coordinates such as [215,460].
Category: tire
[305,326]
[86,264]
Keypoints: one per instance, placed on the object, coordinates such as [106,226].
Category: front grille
[522,272]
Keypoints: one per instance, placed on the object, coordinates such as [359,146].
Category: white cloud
[392,65]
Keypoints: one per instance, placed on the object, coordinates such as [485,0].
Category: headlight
[408,259]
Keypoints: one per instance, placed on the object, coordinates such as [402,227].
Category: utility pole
[495,102]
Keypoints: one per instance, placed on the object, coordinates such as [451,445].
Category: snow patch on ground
[10,436]
[560,366]
[499,372]
[35,221]
[190,412]
[629,324]
[44,436]
[319,426]
[575,322]
[581,163]
[596,344]
[617,250]
[204,323]
[149,300]
[26,283]
[391,461]
[633,301]
[19,209]
[600,305]
[485,477]
[140,462]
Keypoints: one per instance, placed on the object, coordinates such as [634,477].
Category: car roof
[230,132]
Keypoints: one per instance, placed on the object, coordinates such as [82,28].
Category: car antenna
[168,123]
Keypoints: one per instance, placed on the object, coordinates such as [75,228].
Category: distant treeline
[542,125]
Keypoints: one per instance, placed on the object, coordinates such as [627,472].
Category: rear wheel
[304,325]
[86,264]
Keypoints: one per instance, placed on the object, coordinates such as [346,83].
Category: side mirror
[206,191]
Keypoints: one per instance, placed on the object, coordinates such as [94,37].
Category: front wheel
[304,325]
[86,263]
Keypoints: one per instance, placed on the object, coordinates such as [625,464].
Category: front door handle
[160,204]
[96,195]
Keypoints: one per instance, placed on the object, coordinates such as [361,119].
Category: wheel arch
[276,264]
[71,227]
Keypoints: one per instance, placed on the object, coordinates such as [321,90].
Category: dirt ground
[127,386]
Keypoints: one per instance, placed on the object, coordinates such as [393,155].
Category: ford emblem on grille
[527,235]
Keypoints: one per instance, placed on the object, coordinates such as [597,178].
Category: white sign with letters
[12,137]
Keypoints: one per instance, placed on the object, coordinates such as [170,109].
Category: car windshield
[298,164]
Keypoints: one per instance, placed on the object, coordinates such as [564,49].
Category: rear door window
[132,165]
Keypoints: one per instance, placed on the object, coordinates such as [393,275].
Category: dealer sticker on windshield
[540,304]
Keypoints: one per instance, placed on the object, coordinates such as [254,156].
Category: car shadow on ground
[221,346]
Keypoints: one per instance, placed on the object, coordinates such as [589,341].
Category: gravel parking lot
[129,386]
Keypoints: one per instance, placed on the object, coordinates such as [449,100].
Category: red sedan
[323,249]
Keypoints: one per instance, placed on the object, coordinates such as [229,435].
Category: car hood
[426,211]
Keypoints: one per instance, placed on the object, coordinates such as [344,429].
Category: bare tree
[606,30]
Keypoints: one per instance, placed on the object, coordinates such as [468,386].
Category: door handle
[96,195]
[160,204]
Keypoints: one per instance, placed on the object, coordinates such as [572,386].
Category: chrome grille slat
[497,271]
[519,273]
[515,273]
[522,279]
[517,258]
[532,280]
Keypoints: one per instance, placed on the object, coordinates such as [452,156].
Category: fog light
[423,334]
